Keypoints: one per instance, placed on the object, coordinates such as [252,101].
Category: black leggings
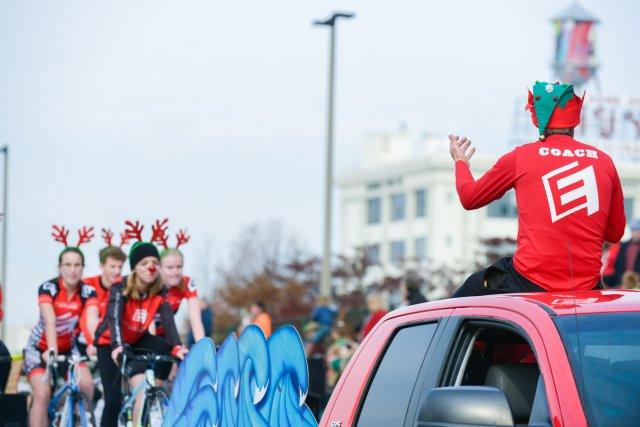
[500,277]
[110,373]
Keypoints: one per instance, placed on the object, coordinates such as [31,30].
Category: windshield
[605,358]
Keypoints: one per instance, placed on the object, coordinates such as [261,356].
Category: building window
[628,208]
[421,248]
[397,251]
[421,203]
[397,207]
[373,210]
[504,207]
[373,254]
[373,186]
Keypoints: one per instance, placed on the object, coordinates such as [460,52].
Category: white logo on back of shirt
[554,186]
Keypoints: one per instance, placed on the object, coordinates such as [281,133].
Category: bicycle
[69,406]
[155,399]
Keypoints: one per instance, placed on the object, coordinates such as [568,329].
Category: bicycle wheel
[61,416]
[84,411]
[154,408]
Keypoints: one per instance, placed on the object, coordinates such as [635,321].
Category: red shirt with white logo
[67,308]
[569,201]
[128,319]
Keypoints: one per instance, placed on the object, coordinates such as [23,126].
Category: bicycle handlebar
[132,357]
[61,358]
[150,359]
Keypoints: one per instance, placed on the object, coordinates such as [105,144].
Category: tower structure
[574,58]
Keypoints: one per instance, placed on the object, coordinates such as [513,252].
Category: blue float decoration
[250,381]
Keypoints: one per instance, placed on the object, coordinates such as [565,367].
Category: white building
[402,205]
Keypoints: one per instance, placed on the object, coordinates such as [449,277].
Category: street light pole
[325,280]
[3,259]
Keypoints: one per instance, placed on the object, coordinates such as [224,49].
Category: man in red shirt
[568,195]
[111,260]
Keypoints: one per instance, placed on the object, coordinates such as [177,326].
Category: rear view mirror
[465,406]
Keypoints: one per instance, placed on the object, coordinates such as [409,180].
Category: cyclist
[133,303]
[61,300]
[180,288]
[111,260]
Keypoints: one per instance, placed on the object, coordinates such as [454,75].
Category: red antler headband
[61,234]
[182,237]
[159,232]
[107,236]
[124,238]
[133,230]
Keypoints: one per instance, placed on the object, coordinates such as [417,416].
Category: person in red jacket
[61,301]
[133,304]
[377,311]
[568,196]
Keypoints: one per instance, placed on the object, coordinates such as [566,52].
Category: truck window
[495,355]
[387,398]
[604,351]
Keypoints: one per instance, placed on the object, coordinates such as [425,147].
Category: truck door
[499,357]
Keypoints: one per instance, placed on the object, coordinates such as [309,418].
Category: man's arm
[617,219]
[491,186]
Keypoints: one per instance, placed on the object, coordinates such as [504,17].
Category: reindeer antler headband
[61,234]
[159,234]
[107,236]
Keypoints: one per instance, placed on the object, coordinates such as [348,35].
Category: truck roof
[554,303]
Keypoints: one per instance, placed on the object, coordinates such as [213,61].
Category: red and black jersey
[67,308]
[174,295]
[102,296]
[102,293]
[569,201]
[128,319]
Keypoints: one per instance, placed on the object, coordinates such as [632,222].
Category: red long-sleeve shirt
[569,201]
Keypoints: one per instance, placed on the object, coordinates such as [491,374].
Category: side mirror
[465,406]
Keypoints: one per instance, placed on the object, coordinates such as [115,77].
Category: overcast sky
[212,113]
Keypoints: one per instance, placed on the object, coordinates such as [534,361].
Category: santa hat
[553,106]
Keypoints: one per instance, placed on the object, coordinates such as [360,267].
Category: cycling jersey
[175,294]
[67,310]
[186,289]
[569,201]
[102,293]
[102,296]
[128,319]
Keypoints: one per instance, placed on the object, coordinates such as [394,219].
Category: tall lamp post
[3,260]
[325,280]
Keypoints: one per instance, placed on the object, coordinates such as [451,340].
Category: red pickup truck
[544,359]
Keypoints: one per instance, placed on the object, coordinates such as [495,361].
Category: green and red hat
[553,106]
[140,248]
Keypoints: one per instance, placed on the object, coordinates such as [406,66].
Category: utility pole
[325,280]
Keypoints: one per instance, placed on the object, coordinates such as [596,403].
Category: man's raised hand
[459,148]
